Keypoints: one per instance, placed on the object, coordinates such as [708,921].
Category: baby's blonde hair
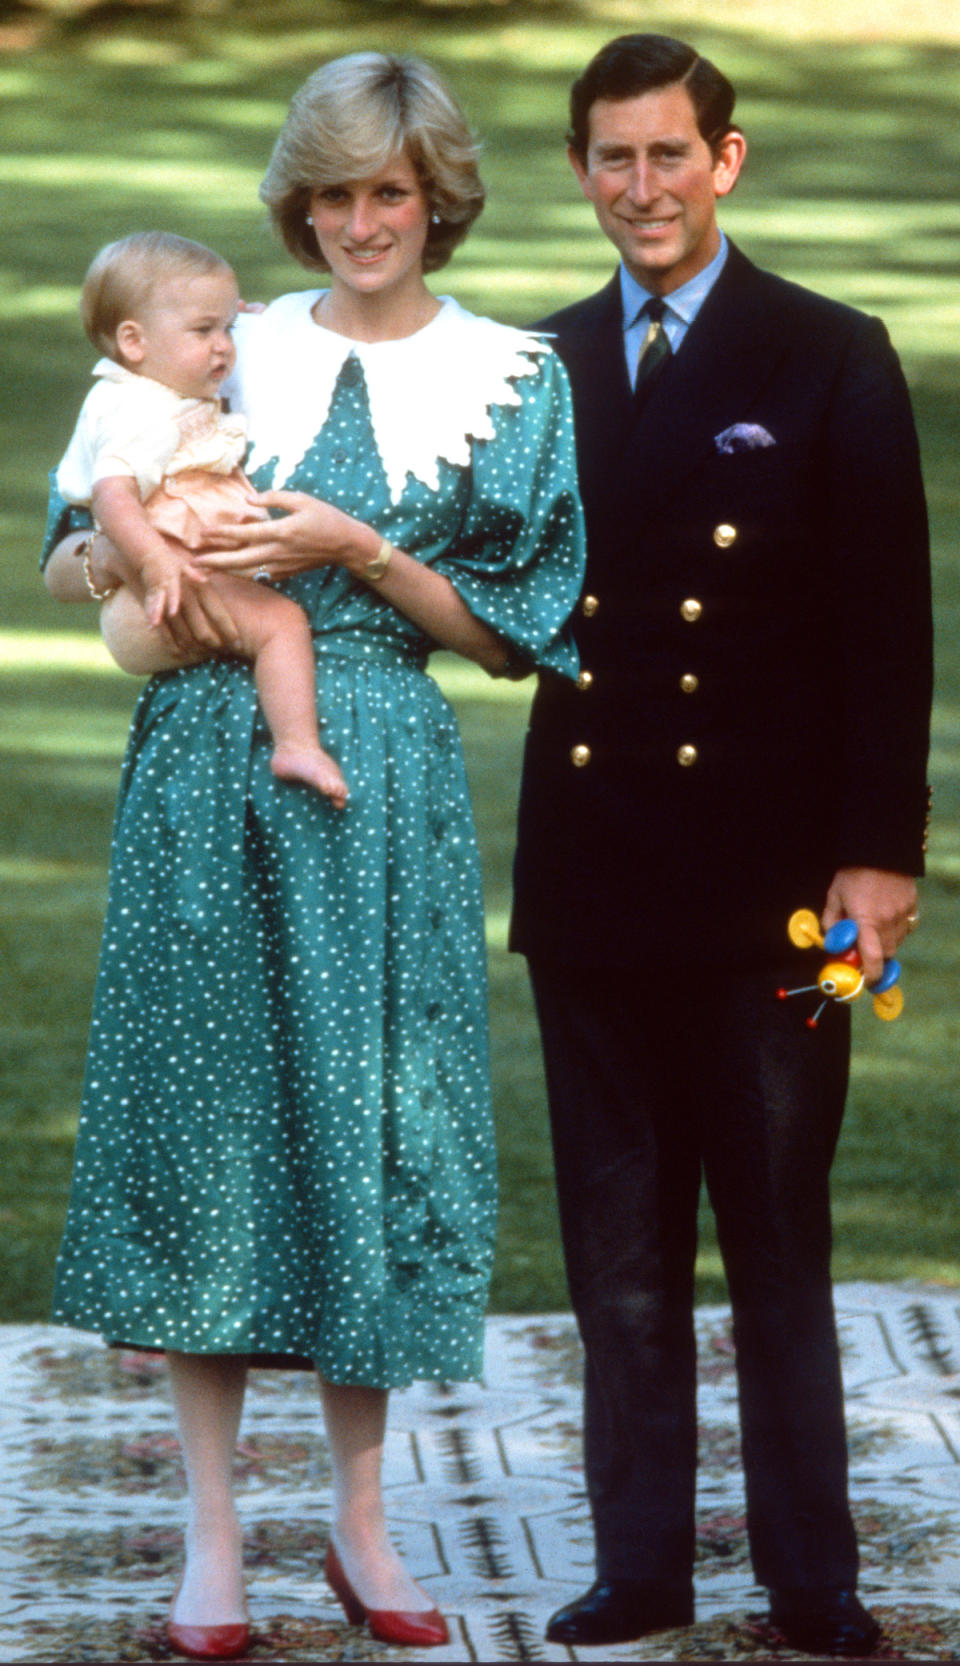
[121,279]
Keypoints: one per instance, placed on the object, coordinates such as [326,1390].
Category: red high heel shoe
[208,1642]
[226,1642]
[415,1628]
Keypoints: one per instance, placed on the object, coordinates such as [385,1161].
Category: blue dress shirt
[681,307]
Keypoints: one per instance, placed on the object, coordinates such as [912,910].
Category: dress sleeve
[62,518]
[518,559]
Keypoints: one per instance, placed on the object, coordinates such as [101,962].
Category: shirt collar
[685,302]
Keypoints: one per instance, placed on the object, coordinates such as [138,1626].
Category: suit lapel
[592,349]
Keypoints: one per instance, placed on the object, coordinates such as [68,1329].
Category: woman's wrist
[376,569]
[367,554]
[99,578]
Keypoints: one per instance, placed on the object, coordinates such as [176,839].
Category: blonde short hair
[348,120]
[122,277]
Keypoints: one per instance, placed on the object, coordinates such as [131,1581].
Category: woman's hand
[164,580]
[104,563]
[201,622]
[160,572]
[188,616]
[189,613]
[310,533]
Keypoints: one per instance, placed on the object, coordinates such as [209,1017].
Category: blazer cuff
[895,842]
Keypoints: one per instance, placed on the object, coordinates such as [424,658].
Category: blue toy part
[840,937]
[888,977]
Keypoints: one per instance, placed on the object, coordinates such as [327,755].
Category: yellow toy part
[889,1003]
[840,981]
[803,929]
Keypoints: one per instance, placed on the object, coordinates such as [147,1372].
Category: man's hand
[884,906]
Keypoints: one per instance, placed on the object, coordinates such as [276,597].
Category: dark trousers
[649,1089]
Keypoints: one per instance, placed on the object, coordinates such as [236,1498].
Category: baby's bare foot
[313,767]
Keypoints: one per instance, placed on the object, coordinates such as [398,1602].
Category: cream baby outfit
[184,454]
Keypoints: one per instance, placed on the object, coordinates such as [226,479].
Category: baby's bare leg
[275,635]
[136,646]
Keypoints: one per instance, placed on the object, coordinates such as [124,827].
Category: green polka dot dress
[286,1145]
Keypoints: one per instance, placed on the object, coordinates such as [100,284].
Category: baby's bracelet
[374,570]
[82,552]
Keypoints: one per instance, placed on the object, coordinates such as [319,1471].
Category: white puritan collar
[430,393]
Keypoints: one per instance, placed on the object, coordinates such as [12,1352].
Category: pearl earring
[434,219]
[309,219]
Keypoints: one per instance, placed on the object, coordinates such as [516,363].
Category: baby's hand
[162,575]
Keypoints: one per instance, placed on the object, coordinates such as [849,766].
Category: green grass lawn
[850,186]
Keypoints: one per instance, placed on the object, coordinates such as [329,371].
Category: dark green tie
[655,352]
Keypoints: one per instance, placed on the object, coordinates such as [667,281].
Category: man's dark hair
[634,64]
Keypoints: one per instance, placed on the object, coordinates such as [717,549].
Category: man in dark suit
[748,736]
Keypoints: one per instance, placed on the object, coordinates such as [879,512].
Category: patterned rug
[486,1497]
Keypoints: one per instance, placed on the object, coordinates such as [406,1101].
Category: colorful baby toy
[841,978]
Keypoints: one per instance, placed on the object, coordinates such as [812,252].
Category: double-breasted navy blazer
[754,634]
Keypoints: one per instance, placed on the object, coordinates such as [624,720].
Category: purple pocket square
[743,436]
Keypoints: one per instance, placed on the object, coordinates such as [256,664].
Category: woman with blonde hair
[286,1152]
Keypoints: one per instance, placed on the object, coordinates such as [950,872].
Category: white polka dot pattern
[286,1142]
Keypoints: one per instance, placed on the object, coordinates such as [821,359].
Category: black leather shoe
[824,1622]
[620,1610]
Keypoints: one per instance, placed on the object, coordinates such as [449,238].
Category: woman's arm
[63,574]
[430,601]
[315,534]
[203,623]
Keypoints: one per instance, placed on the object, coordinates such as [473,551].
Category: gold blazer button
[589,606]
[691,609]
[686,755]
[724,535]
[689,682]
[585,679]
[579,756]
